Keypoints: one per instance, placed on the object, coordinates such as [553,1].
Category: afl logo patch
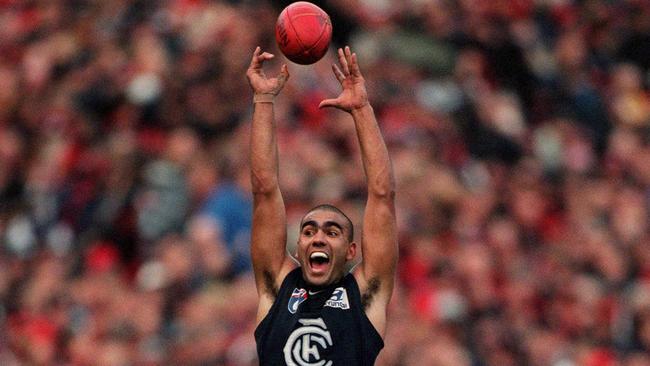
[305,344]
[297,297]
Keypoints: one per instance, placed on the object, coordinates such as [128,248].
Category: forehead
[322,216]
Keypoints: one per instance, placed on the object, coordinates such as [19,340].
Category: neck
[334,280]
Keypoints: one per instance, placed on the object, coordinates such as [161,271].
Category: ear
[352,251]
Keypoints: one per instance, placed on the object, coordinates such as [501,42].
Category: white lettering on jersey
[339,299]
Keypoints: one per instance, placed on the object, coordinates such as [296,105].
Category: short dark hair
[332,208]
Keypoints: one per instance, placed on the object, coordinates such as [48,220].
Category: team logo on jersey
[305,343]
[339,299]
[297,297]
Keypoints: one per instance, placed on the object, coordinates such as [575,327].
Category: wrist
[361,109]
[263,98]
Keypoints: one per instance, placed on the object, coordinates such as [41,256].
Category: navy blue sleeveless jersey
[327,327]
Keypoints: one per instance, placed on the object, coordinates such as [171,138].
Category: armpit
[269,284]
[369,294]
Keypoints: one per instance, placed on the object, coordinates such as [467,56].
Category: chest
[310,327]
[326,328]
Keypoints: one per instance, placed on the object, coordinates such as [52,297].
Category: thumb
[329,103]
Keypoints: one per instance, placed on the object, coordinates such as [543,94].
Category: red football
[303,32]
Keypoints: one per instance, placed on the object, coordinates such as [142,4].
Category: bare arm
[376,274]
[268,237]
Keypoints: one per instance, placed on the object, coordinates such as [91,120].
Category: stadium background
[519,132]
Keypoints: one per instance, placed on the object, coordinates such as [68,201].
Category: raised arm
[269,234]
[376,273]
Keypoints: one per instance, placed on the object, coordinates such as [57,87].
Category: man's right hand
[258,80]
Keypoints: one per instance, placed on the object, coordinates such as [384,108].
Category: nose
[319,239]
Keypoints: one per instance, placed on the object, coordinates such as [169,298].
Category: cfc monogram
[302,347]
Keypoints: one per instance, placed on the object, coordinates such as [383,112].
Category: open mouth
[319,261]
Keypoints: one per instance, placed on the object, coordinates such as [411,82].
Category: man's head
[325,245]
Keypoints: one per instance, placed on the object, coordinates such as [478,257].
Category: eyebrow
[325,224]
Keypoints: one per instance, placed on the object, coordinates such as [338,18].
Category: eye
[333,233]
[308,232]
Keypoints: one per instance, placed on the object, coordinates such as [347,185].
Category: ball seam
[320,36]
[290,21]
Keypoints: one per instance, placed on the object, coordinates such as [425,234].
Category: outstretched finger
[348,58]
[354,66]
[265,56]
[343,62]
[348,55]
[255,63]
[337,72]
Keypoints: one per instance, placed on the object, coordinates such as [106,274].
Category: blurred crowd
[519,133]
